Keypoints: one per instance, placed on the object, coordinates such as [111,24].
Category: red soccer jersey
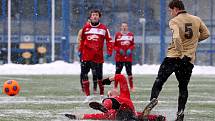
[92,42]
[123,42]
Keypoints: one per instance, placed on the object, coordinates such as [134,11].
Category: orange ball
[11,87]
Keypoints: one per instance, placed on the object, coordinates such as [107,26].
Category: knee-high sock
[130,79]
[115,84]
[101,87]
[86,85]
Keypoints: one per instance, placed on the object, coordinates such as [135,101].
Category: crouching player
[119,106]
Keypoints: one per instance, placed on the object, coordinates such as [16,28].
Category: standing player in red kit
[119,106]
[91,48]
[124,44]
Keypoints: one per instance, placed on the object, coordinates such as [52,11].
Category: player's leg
[99,73]
[128,66]
[82,87]
[95,79]
[183,76]
[86,84]
[81,75]
[149,107]
[166,69]
[119,66]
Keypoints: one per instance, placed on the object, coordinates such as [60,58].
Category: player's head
[95,15]
[176,6]
[124,27]
[113,93]
[111,103]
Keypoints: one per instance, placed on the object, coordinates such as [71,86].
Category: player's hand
[121,52]
[128,52]
[107,56]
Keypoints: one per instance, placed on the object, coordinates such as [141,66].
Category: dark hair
[176,3]
[124,22]
[95,11]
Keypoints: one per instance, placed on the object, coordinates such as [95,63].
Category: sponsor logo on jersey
[93,37]
[124,38]
[95,31]
[125,42]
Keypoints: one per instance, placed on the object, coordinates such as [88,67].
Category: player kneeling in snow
[119,106]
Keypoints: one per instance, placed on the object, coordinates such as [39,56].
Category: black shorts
[182,72]
[97,69]
[128,67]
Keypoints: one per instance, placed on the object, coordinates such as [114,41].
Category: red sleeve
[124,90]
[109,42]
[82,41]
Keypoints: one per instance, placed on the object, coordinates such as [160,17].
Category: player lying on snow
[119,106]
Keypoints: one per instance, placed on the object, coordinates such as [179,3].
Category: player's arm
[79,39]
[81,45]
[109,42]
[204,32]
[176,36]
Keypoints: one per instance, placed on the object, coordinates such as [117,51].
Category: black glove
[106,81]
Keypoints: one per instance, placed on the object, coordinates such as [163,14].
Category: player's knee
[130,76]
[129,72]
[84,76]
[158,84]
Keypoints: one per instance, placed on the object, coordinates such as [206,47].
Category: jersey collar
[181,12]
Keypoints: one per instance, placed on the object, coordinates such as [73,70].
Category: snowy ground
[61,67]
[49,97]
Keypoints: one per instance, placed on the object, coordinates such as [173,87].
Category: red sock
[130,79]
[101,87]
[86,85]
[115,84]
